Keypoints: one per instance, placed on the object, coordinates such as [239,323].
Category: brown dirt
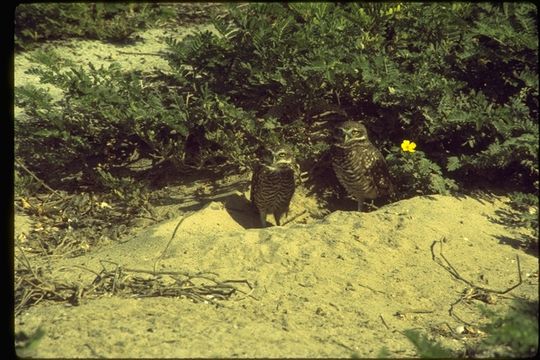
[346,284]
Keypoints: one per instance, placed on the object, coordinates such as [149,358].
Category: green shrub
[105,117]
[115,23]
[414,174]
[109,117]
[26,344]
[513,335]
[526,206]
[427,348]
[458,79]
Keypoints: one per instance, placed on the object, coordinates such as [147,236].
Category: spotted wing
[380,175]
[255,181]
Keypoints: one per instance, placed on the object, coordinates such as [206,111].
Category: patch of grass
[427,348]
[513,335]
[25,344]
[112,22]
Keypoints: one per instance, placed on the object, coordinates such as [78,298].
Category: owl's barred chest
[277,178]
[274,189]
[353,167]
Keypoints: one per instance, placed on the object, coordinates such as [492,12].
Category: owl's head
[350,133]
[278,158]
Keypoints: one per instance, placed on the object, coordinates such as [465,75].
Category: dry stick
[28,295]
[220,289]
[343,345]
[453,314]
[452,270]
[186,274]
[456,274]
[374,290]
[237,281]
[151,272]
[248,294]
[25,297]
[294,217]
[95,283]
[173,273]
[36,178]
[384,322]
[415,311]
[117,273]
[94,351]
[80,267]
[170,241]
[27,262]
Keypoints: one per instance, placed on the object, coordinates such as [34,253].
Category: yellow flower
[408,146]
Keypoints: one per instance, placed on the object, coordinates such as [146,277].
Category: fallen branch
[37,179]
[384,322]
[170,241]
[450,268]
[292,218]
[475,292]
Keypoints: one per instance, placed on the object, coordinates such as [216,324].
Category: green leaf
[426,348]
[453,163]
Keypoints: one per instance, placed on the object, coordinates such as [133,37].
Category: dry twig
[384,322]
[170,241]
[475,292]
[450,268]
[36,178]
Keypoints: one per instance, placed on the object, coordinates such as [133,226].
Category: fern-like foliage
[458,79]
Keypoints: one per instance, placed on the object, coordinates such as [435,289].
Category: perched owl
[358,165]
[273,182]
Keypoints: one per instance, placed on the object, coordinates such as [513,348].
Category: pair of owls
[358,165]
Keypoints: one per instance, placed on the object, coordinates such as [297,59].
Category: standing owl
[358,165]
[273,182]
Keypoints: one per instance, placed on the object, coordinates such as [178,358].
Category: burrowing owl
[273,182]
[358,165]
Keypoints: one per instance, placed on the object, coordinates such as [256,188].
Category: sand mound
[346,284]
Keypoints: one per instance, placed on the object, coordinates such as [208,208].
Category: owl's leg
[277,216]
[372,205]
[360,204]
[263,218]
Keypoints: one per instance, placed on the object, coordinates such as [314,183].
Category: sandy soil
[347,284]
[83,52]
[343,285]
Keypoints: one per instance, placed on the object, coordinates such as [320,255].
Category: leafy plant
[460,79]
[115,23]
[513,335]
[427,348]
[106,116]
[526,206]
[25,344]
[414,173]
[401,68]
